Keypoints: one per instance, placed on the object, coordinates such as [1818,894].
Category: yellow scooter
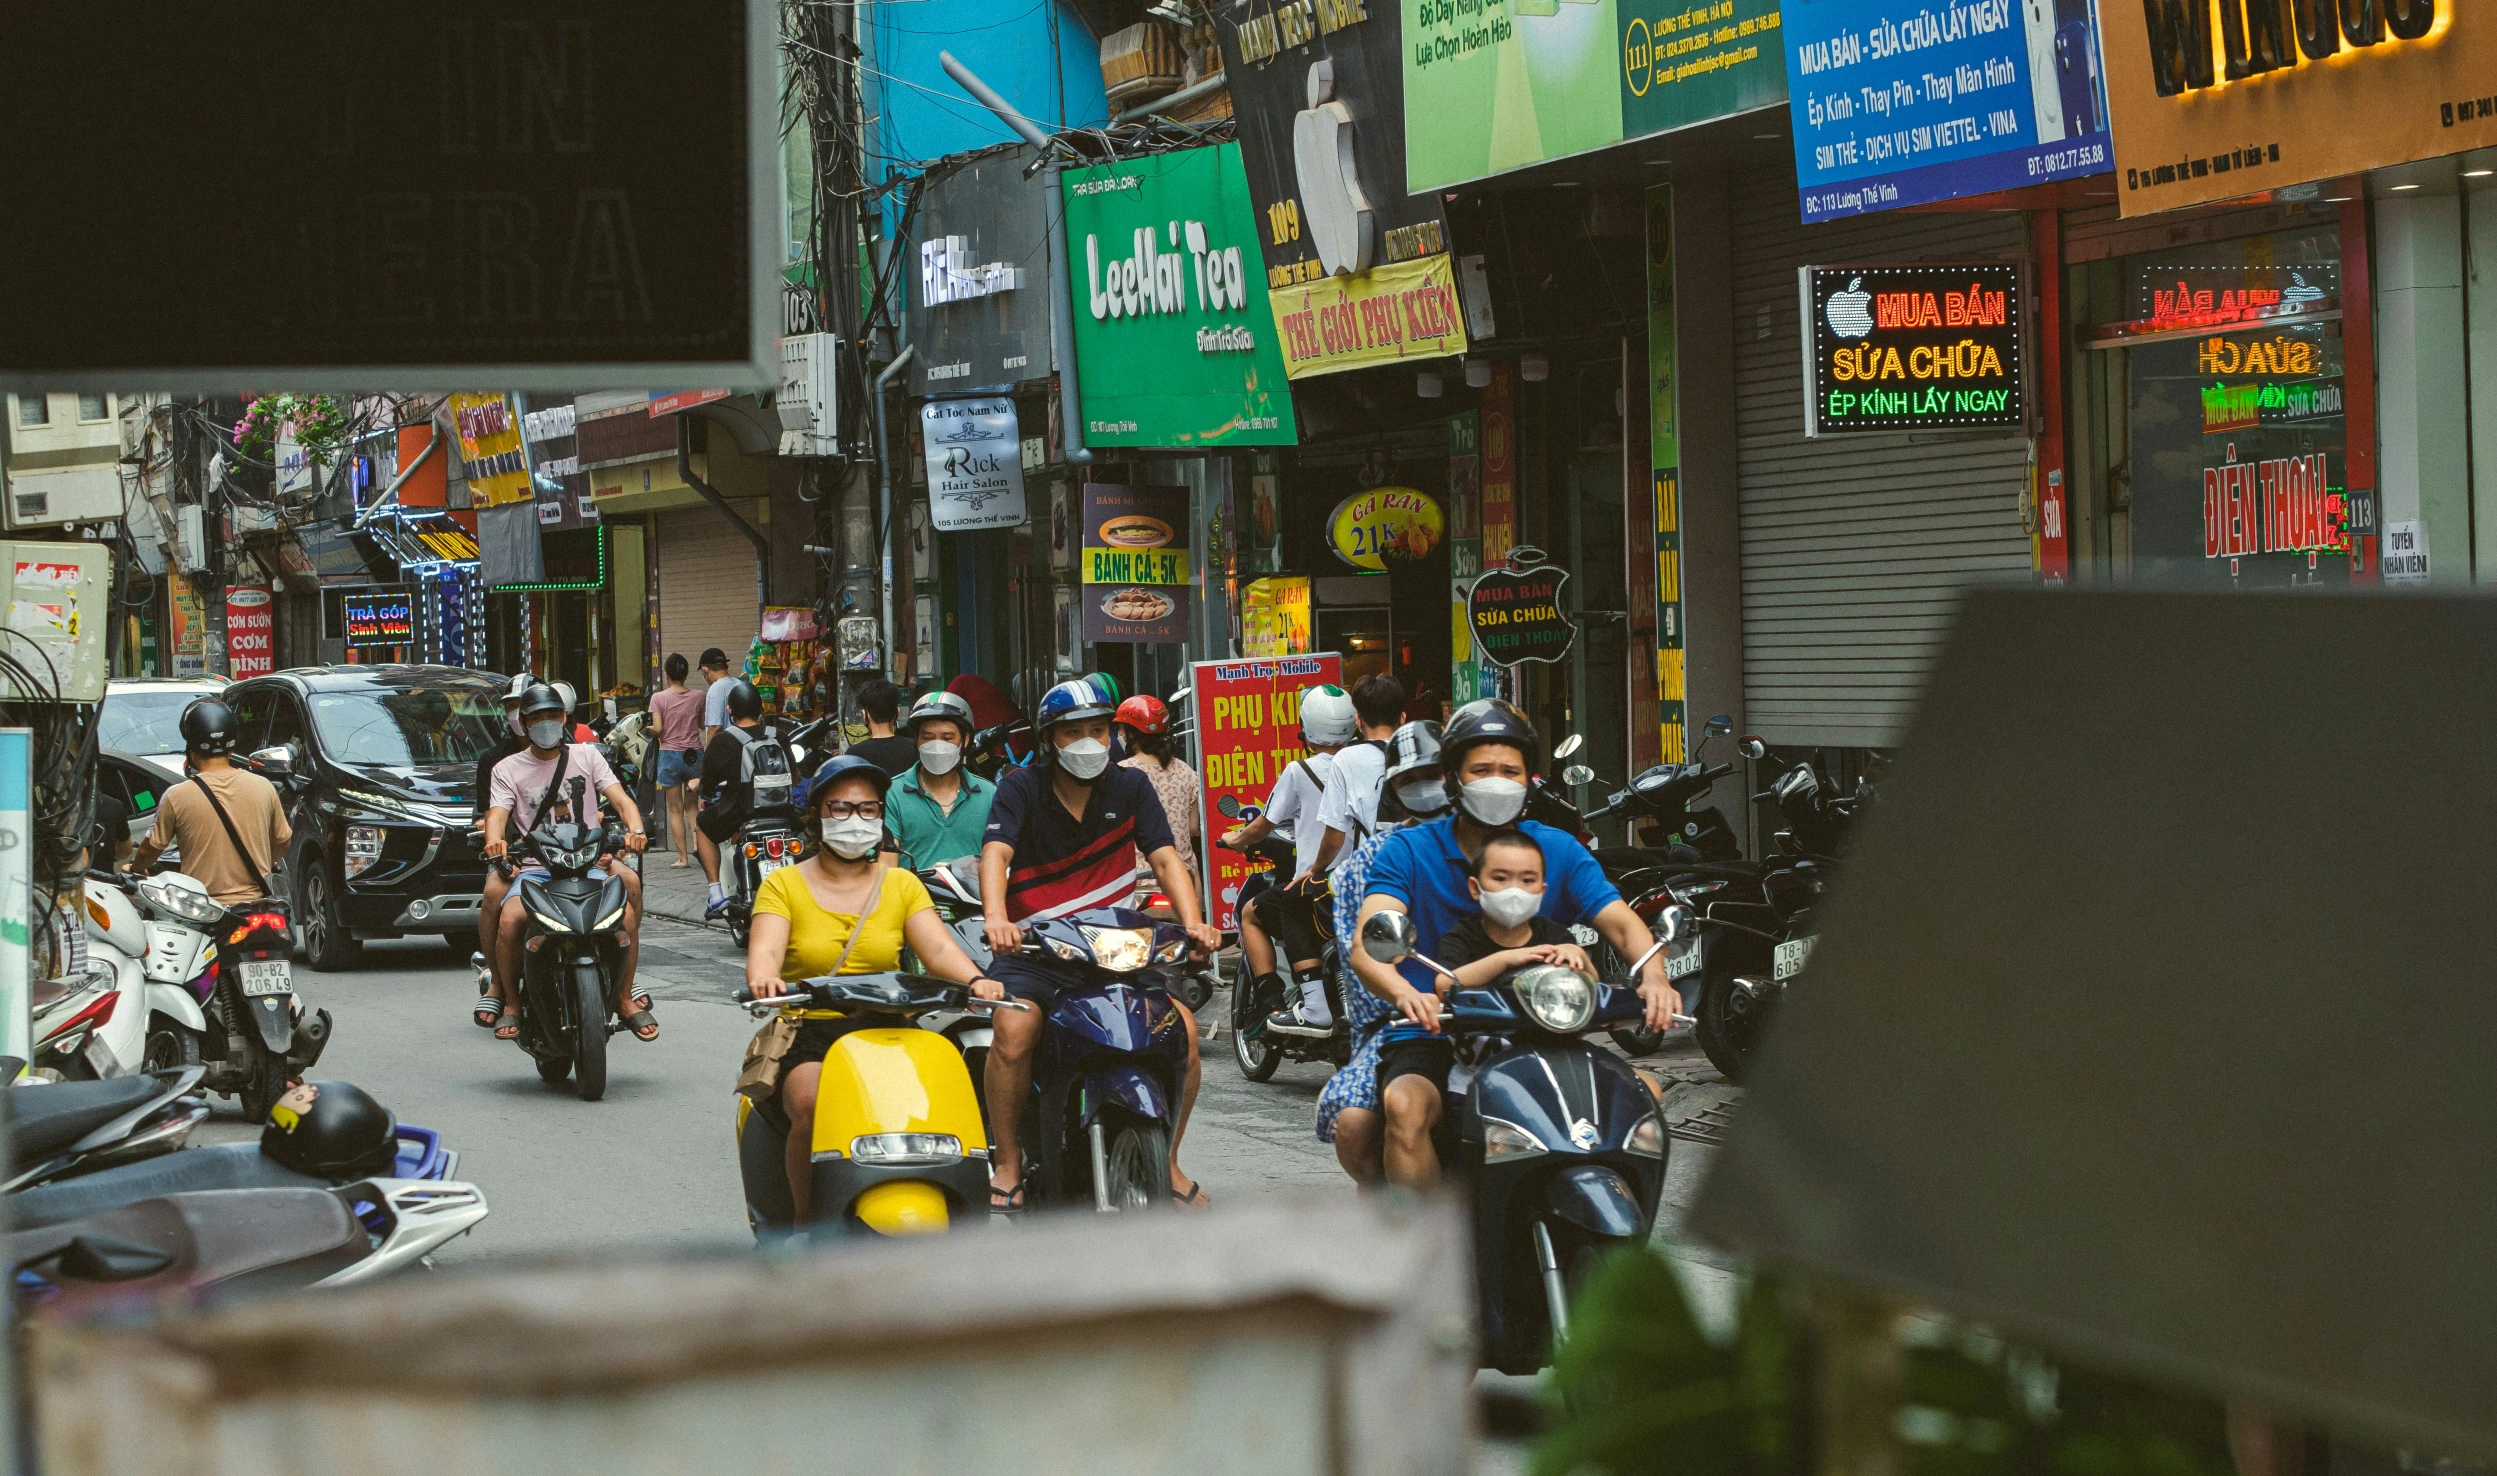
[900,1147]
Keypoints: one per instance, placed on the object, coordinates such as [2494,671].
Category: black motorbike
[572,947]
[1558,1147]
[768,841]
[1259,1051]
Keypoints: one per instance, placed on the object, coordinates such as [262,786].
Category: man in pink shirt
[676,712]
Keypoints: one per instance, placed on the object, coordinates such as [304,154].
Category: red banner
[250,632]
[1248,726]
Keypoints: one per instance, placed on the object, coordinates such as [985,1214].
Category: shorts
[1039,979]
[721,823]
[678,766]
[1289,920]
[1428,1059]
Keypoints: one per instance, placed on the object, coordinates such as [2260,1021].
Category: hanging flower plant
[319,421]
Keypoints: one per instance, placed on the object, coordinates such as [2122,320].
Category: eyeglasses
[854,810]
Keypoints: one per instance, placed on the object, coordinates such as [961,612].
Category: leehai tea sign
[1933,346]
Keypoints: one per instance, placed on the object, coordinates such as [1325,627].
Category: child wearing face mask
[1508,885]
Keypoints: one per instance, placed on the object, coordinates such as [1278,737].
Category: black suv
[376,763]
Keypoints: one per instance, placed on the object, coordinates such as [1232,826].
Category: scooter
[1559,1147]
[572,948]
[421,1155]
[900,1145]
[187,1249]
[62,1130]
[768,841]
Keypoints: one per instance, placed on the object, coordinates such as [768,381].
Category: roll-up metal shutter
[1854,547]
[706,584]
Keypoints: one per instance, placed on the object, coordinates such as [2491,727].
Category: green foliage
[320,423]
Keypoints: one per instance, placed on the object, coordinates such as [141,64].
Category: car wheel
[319,927]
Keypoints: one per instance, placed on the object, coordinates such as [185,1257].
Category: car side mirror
[277,762]
[1389,937]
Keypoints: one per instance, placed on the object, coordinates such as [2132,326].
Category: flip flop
[641,1020]
[1006,1201]
[1195,1198]
[488,1011]
[509,1028]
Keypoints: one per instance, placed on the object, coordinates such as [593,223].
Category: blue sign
[1904,102]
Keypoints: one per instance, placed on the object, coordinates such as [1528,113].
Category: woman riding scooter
[840,913]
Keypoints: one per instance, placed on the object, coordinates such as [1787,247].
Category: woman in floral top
[1145,723]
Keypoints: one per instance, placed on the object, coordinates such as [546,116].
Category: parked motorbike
[186,1249]
[422,1155]
[199,983]
[572,947]
[900,1145]
[59,1131]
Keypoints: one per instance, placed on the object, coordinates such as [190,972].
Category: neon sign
[2233,407]
[381,618]
[1921,347]
[2280,506]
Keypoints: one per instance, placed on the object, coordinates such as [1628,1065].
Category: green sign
[1664,456]
[1496,85]
[1174,339]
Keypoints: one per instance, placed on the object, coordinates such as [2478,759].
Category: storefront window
[2236,416]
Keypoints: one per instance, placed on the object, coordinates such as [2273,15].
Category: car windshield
[144,721]
[410,727]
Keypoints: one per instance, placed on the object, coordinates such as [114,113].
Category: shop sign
[1923,347]
[1369,530]
[1516,612]
[1404,311]
[1499,469]
[373,617]
[978,305]
[490,445]
[2235,407]
[2281,505]
[1664,457]
[1903,102]
[1491,87]
[1248,731]
[188,643]
[975,463]
[250,632]
[1169,352]
[1274,617]
[669,402]
[2289,93]
[2405,553]
[1137,584]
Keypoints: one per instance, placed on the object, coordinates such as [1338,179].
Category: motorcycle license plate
[1791,955]
[1684,960]
[765,865]
[266,976]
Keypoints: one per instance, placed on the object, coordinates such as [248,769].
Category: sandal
[1195,1198]
[488,1011]
[639,1021]
[509,1026]
[1005,1201]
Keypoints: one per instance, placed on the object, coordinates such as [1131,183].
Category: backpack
[763,769]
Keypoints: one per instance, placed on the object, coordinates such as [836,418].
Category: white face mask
[1424,796]
[1509,906]
[939,758]
[853,839]
[547,732]
[1494,801]
[1085,759]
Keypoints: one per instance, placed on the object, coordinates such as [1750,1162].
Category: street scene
[1410,736]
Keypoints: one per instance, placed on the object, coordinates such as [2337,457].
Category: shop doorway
[1364,635]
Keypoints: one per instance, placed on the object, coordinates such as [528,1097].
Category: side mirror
[1568,746]
[1753,748]
[276,762]
[1720,725]
[1389,937]
[1577,774]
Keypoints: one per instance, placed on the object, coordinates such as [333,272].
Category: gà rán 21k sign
[1928,347]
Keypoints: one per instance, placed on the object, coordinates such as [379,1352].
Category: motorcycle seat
[224,1166]
[45,1120]
[210,1236]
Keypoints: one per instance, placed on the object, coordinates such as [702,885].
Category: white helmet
[1327,716]
[572,698]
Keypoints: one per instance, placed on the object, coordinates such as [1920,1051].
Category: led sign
[2279,506]
[1923,347]
[377,618]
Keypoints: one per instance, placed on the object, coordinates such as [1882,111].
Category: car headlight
[1647,1139]
[379,804]
[363,851]
[552,925]
[902,1150]
[1120,950]
[1503,1139]
[609,921]
[1558,999]
[182,902]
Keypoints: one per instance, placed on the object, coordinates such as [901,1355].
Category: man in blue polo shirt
[1488,753]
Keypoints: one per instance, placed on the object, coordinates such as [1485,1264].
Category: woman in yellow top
[803,918]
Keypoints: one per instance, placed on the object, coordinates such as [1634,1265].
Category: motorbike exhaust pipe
[1100,1170]
[1555,1291]
[311,1038]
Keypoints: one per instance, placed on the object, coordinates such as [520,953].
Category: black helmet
[1416,745]
[208,727]
[331,1130]
[542,698]
[1489,720]
[743,700]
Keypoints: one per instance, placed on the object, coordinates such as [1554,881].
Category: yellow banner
[489,436]
[1137,566]
[1407,310]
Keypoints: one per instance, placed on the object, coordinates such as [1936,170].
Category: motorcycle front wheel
[589,1030]
[1138,1167]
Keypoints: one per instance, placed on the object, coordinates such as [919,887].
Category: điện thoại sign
[1928,346]
[1516,612]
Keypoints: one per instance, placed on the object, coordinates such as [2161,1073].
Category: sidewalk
[673,894]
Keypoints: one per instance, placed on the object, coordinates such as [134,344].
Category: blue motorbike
[1111,1063]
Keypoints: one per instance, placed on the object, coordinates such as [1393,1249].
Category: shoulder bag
[759,1077]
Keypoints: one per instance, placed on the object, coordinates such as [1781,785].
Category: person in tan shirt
[187,821]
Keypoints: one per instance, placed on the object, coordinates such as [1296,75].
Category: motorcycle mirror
[1577,774]
[1753,748]
[1672,925]
[1389,937]
[1720,725]
[1653,949]
[1568,746]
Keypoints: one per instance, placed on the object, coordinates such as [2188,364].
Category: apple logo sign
[1850,313]
[1335,214]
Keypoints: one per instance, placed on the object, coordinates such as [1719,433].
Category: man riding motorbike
[526,785]
[229,823]
[1489,752]
[1285,913]
[937,810]
[490,900]
[805,919]
[1058,842]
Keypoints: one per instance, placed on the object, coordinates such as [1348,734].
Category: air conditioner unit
[190,536]
[810,395]
[58,497]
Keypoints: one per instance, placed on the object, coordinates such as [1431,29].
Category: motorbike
[900,1144]
[198,983]
[572,947]
[62,1130]
[189,1248]
[1258,1051]
[422,1156]
[1558,1147]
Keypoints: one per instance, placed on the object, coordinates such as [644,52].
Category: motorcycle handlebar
[744,995]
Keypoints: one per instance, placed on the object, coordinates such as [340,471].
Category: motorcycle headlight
[902,1150]
[552,925]
[1120,950]
[1558,999]
[1647,1139]
[1502,1139]
[182,902]
[609,921]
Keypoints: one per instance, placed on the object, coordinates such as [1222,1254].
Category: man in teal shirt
[938,810]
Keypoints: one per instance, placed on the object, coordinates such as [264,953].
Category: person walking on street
[714,666]
[677,713]
[229,823]
[937,810]
[880,703]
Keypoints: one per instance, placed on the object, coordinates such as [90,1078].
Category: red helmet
[1145,714]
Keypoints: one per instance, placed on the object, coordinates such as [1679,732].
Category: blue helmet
[845,766]
[1073,701]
